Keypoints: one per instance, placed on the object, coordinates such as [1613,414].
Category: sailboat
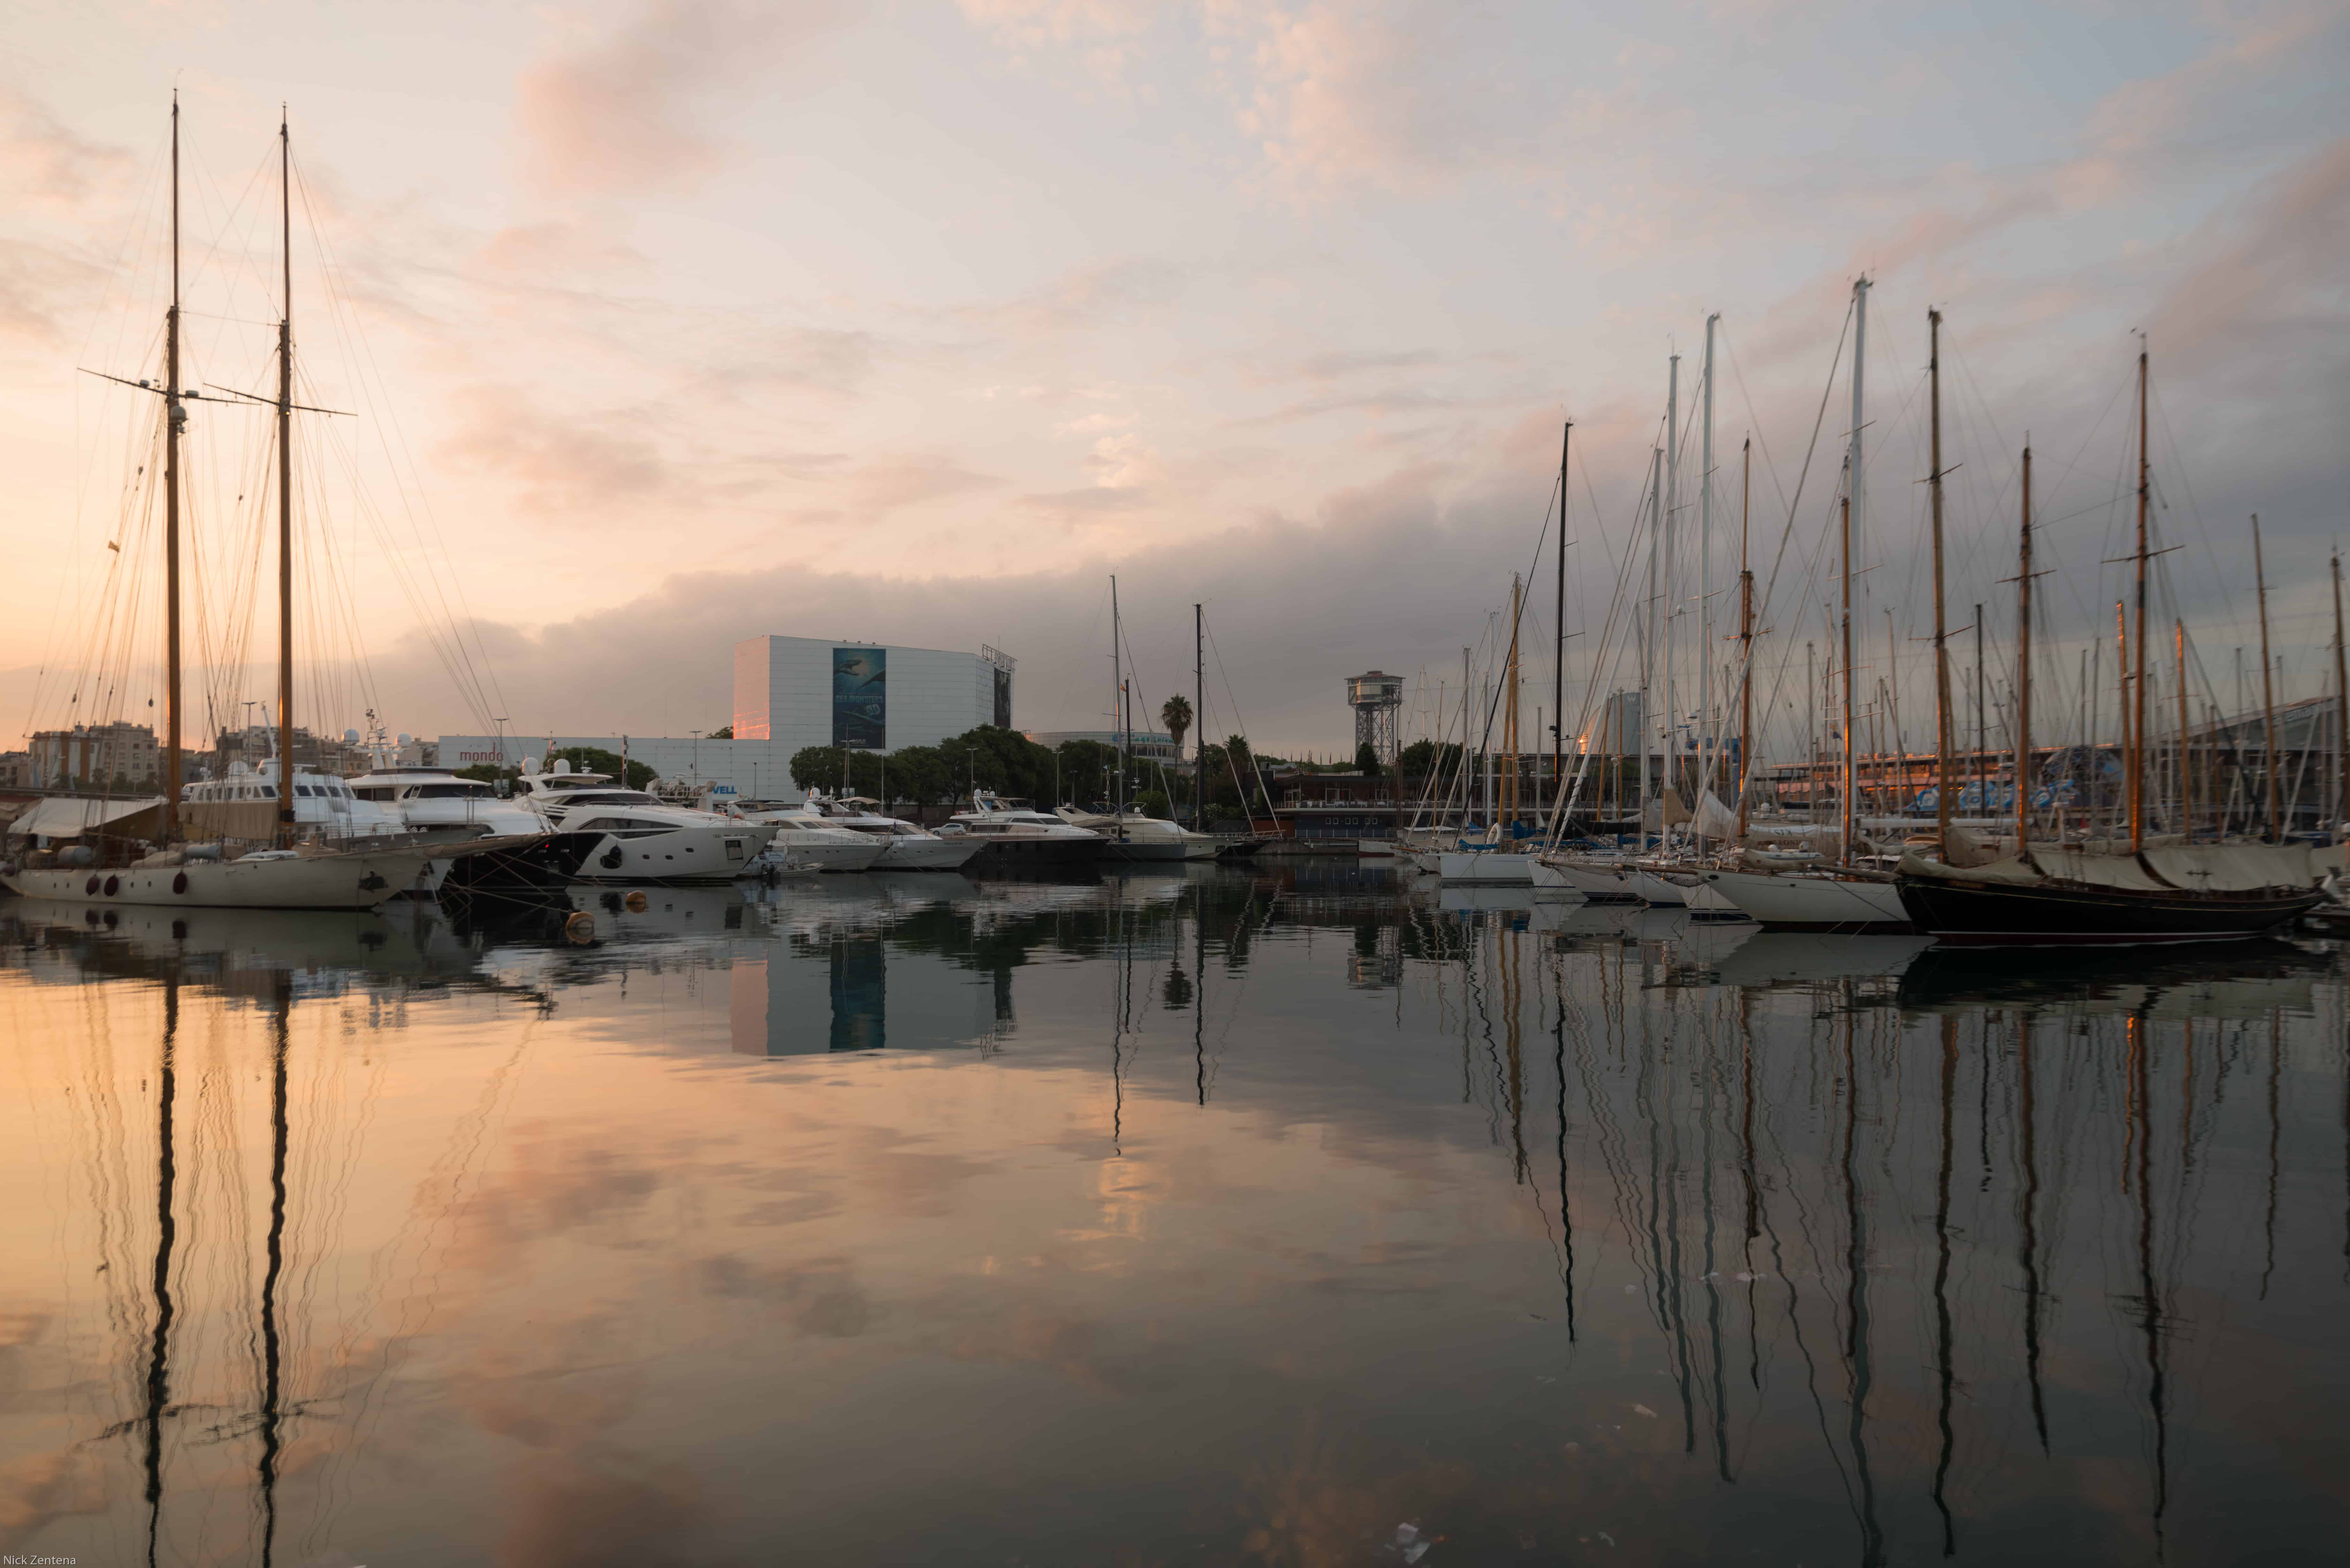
[1126,834]
[145,856]
[1838,897]
[2103,894]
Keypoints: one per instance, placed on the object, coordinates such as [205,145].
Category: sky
[660,325]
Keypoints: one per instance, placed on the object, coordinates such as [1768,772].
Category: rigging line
[476,659]
[1803,476]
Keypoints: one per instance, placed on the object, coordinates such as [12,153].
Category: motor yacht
[435,803]
[639,838]
[803,841]
[904,846]
[325,806]
[1012,834]
[1127,836]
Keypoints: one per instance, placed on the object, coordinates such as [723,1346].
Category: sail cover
[2194,868]
[2234,868]
[70,817]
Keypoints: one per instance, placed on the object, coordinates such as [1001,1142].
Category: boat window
[449,791]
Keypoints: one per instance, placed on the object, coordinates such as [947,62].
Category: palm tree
[1176,714]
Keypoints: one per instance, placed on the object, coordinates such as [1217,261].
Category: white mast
[1117,704]
[1852,501]
[1649,653]
[1705,579]
[1665,585]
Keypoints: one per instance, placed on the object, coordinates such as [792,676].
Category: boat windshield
[610,797]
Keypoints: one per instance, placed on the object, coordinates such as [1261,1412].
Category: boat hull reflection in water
[1309,1214]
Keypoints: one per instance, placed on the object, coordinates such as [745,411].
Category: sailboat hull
[349,879]
[1964,914]
[1809,903]
[1551,881]
[1600,882]
[1651,889]
[1484,865]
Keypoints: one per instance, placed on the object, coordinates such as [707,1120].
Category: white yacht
[803,841]
[1011,834]
[323,804]
[1128,835]
[435,803]
[640,840]
[904,846]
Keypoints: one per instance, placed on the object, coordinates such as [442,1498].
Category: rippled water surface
[1292,1216]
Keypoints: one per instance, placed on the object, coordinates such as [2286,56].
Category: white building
[812,691]
[790,693]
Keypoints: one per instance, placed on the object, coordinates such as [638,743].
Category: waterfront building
[1143,745]
[791,694]
[804,691]
[254,744]
[89,754]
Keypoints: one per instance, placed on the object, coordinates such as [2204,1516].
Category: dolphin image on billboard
[861,697]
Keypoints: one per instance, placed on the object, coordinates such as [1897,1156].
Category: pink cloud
[625,114]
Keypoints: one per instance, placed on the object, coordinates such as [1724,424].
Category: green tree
[999,758]
[1421,757]
[1087,772]
[919,773]
[597,760]
[724,733]
[488,773]
[1366,759]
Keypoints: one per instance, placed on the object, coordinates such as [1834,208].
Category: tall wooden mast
[2186,778]
[174,416]
[2341,706]
[2122,701]
[285,493]
[1942,792]
[1510,742]
[1746,628]
[2023,668]
[2137,694]
[2268,689]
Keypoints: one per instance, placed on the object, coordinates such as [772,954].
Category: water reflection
[1211,1215]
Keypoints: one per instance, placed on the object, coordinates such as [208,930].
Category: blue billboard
[861,697]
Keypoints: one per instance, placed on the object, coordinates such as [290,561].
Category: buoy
[580,929]
[636,902]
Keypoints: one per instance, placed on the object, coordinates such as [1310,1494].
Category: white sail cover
[1715,820]
[69,816]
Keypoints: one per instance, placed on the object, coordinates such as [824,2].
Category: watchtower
[1376,698]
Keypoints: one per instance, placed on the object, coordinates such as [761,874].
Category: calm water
[1286,1217]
